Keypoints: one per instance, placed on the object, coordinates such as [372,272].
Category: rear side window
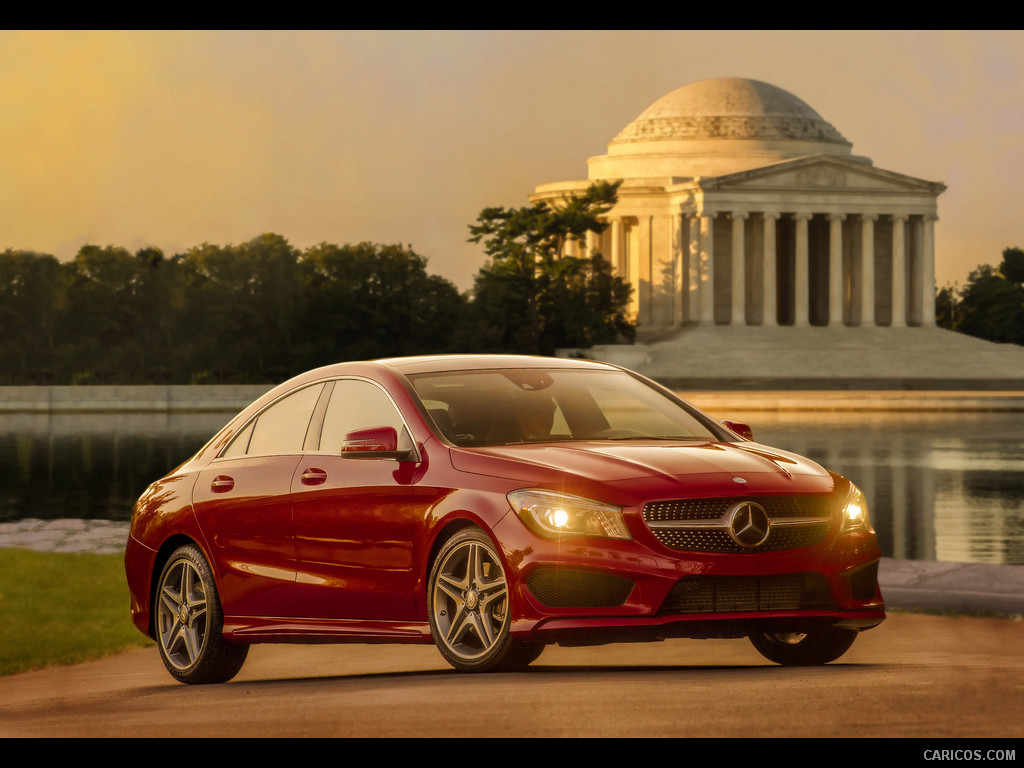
[281,428]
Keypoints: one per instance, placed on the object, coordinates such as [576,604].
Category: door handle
[222,484]
[314,476]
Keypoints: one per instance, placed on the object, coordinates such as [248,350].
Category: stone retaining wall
[232,398]
[86,399]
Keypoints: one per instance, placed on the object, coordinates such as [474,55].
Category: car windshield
[516,405]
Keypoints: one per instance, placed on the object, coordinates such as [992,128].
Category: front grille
[568,588]
[703,525]
[728,594]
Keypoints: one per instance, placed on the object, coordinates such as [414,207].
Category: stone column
[616,249]
[707,268]
[899,271]
[801,291]
[640,267]
[769,315]
[835,269]
[679,248]
[739,276]
[867,269]
[693,270]
[928,272]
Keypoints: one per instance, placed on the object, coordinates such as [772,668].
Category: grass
[60,608]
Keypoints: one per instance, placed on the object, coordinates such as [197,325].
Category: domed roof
[717,127]
[730,108]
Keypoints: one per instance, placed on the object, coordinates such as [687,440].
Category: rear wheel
[470,607]
[796,649]
[189,622]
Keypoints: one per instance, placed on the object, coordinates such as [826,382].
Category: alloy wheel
[469,599]
[182,615]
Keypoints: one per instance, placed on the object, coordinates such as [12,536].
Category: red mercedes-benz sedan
[493,505]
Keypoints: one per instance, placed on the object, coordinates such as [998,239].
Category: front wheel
[809,649]
[189,622]
[470,607]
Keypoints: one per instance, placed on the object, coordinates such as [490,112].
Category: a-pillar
[835,269]
[899,272]
[739,285]
[769,303]
[801,282]
[867,269]
[707,268]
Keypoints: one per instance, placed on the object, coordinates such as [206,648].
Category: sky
[176,138]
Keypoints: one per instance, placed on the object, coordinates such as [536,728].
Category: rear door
[243,503]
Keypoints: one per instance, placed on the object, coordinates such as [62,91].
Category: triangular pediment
[820,173]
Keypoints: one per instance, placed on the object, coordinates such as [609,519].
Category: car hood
[604,461]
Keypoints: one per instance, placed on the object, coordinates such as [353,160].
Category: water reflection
[91,466]
[941,486]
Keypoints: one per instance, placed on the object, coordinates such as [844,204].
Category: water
[91,466]
[940,486]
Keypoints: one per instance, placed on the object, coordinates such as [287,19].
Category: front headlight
[554,514]
[855,511]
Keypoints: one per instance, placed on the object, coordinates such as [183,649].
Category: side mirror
[743,430]
[372,443]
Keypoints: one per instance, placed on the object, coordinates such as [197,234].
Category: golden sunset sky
[172,139]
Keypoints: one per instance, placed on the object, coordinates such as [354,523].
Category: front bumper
[586,591]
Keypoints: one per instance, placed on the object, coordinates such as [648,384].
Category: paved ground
[924,676]
[923,673]
[906,584]
[97,536]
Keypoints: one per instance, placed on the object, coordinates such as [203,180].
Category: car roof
[439,363]
[402,366]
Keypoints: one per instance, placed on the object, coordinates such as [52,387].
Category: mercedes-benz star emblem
[748,524]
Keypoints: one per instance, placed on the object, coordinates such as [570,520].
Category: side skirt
[265,629]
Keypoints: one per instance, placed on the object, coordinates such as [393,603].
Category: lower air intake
[732,594]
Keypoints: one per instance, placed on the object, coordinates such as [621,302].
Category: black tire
[189,622]
[792,649]
[470,607]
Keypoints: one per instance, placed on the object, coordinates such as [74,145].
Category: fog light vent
[568,588]
[864,582]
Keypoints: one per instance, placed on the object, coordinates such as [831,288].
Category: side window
[240,444]
[281,428]
[358,405]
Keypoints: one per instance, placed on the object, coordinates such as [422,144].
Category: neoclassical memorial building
[741,206]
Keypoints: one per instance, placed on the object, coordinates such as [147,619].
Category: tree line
[263,310]
[990,305]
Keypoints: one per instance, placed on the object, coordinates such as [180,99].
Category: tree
[531,296]
[32,300]
[1012,267]
[947,302]
[368,300]
[991,304]
[242,305]
[107,310]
